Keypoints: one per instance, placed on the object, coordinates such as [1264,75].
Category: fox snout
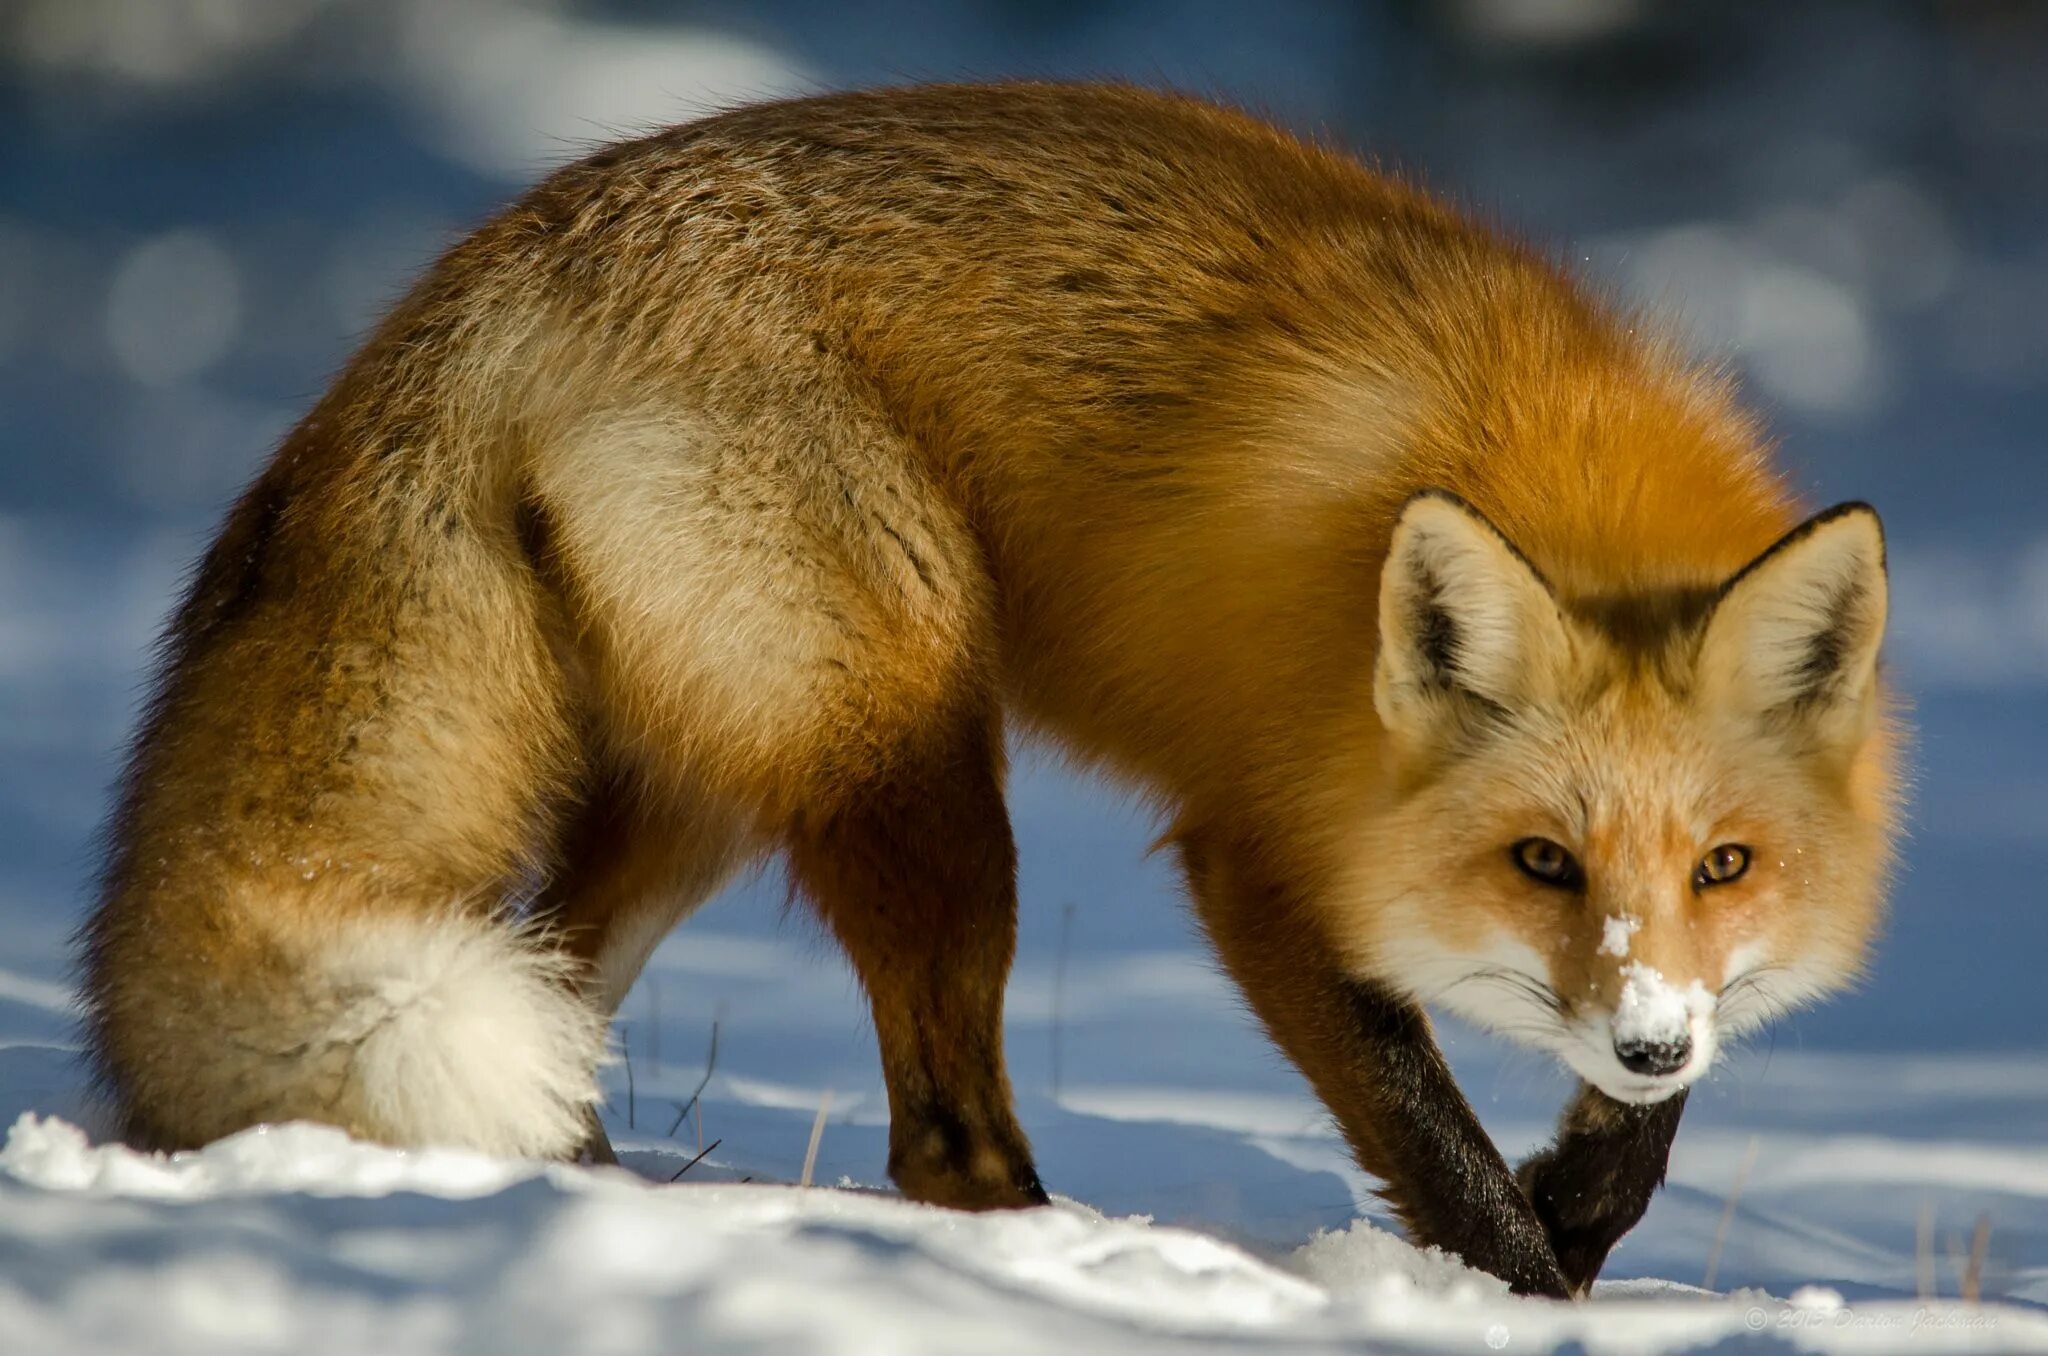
[1656,1058]
[1656,1037]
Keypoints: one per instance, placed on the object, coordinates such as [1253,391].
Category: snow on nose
[1653,1013]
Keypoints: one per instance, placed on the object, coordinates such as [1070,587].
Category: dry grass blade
[1971,1284]
[1923,1253]
[817,1133]
[1059,995]
[683,1109]
[698,1159]
[653,988]
[632,1094]
[1742,1172]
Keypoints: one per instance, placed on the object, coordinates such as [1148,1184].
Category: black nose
[1654,1057]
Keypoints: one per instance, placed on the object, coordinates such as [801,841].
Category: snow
[1615,934]
[1651,1009]
[298,1238]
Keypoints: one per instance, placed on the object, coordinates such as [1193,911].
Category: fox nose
[1654,1057]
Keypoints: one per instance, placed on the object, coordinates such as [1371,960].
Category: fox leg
[915,873]
[777,596]
[632,865]
[1592,1185]
[1370,1056]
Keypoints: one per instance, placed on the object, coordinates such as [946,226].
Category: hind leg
[779,597]
[633,864]
[915,873]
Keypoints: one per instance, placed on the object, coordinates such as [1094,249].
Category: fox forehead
[1652,632]
[1627,765]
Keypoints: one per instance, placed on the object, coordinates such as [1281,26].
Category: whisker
[1541,1026]
[1755,995]
[1517,981]
[1753,977]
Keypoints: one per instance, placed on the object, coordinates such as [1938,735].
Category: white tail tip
[462,1031]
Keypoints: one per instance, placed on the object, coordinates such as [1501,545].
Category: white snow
[243,1246]
[1653,1009]
[1615,934]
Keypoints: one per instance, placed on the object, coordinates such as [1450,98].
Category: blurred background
[203,203]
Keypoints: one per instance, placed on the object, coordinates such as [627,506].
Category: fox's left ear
[1793,639]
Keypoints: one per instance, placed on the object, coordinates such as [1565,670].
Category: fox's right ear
[1465,621]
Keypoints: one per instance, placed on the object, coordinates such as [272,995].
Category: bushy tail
[445,1029]
[462,1030]
[361,736]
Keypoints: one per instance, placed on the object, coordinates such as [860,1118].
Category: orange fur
[723,494]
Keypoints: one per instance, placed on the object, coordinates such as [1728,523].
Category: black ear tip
[1436,495]
[1847,510]
[1855,509]
[1850,508]
[1471,514]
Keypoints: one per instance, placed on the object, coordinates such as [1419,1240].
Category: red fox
[736,490]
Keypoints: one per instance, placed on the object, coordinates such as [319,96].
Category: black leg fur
[1592,1185]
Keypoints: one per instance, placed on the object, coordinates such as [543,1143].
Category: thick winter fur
[729,494]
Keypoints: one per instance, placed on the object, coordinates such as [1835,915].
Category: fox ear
[1793,639]
[1464,620]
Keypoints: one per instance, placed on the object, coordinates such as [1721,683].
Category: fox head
[1626,829]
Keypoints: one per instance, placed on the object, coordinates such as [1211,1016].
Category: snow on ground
[297,1239]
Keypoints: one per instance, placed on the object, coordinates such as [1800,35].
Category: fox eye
[1542,860]
[1725,863]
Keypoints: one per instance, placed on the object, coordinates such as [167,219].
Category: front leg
[1592,1185]
[1370,1056]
